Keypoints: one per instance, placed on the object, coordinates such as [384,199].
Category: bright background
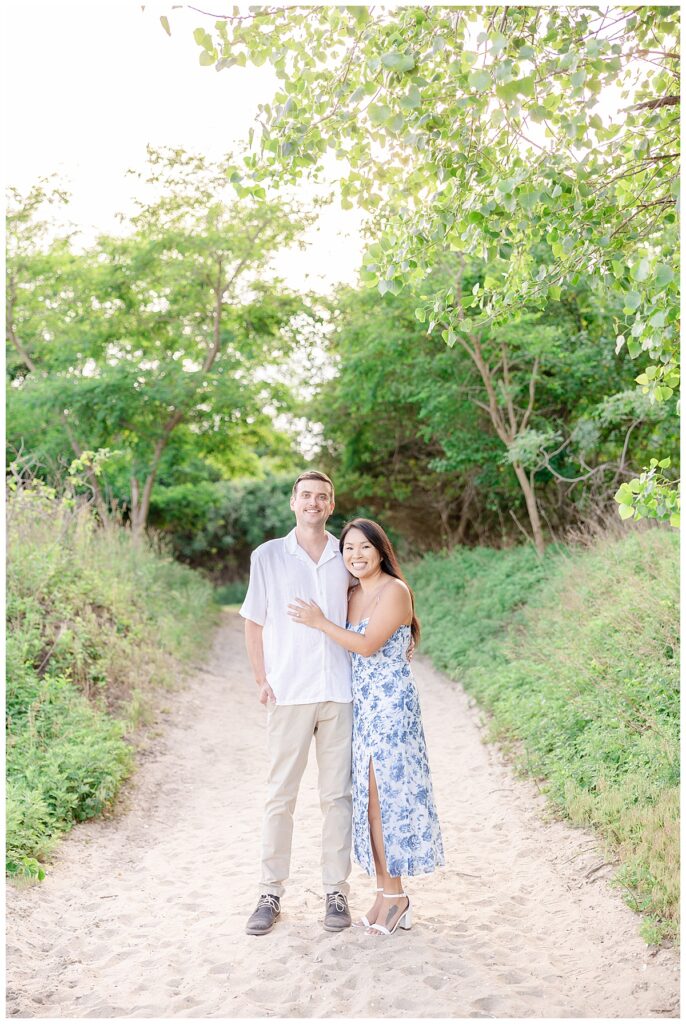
[89,85]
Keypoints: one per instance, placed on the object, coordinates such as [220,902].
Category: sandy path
[143,915]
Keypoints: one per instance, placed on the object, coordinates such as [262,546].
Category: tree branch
[532,391]
[661,101]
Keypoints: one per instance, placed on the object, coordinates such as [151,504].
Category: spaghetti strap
[381,590]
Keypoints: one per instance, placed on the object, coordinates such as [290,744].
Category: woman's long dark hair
[376,535]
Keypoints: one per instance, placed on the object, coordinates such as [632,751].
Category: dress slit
[370,769]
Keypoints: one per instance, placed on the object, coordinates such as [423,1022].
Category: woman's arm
[393,610]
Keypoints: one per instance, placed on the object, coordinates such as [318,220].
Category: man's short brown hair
[313,474]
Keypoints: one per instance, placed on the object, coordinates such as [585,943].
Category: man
[304,678]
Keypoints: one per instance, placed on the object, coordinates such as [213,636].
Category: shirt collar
[292,547]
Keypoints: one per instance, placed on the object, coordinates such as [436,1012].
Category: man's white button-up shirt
[303,665]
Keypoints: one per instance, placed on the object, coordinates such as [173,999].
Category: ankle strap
[391,895]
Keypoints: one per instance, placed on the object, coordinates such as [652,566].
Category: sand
[142,914]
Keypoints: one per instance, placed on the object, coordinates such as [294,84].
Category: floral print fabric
[387,727]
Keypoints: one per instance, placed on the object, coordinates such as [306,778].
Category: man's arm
[253,643]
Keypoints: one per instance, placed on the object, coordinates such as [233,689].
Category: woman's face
[361,558]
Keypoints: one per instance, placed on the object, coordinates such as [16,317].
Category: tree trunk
[135,516]
[531,506]
[505,421]
[140,502]
[464,513]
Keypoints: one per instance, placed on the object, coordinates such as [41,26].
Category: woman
[395,826]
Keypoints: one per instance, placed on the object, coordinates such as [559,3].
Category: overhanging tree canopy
[543,140]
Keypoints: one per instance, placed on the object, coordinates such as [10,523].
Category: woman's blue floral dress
[387,727]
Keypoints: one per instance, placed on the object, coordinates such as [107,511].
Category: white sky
[89,84]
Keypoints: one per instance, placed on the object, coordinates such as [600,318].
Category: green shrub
[576,657]
[215,525]
[93,622]
[231,593]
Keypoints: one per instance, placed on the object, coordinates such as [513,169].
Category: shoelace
[268,901]
[338,900]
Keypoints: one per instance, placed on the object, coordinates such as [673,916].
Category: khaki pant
[290,728]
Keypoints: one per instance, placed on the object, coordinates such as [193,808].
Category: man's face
[312,503]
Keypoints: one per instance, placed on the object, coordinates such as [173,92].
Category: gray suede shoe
[337,915]
[264,916]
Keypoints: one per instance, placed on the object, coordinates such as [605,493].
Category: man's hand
[266,695]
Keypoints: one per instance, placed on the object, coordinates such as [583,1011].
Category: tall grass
[576,658]
[94,623]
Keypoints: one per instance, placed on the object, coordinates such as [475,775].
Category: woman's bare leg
[375,839]
[385,911]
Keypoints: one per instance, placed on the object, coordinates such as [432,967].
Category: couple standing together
[328,625]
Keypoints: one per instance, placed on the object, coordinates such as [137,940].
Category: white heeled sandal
[363,922]
[404,921]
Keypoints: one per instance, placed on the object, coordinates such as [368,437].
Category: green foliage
[407,428]
[581,678]
[161,343]
[217,525]
[651,495]
[479,130]
[93,623]
[232,593]
[468,597]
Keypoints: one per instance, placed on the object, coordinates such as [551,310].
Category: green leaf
[665,463]
[528,199]
[398,61]
[164,21]
[624,496]
[379,113]
[498,44]
[412,99]
[479,80]
[632,300]
[526,86]
[360,14]
[520,87]
[640,270]
[625,512]
[664,275]
[675,520]
[206,58]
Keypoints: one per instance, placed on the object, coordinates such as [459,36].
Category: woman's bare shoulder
[396,590]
